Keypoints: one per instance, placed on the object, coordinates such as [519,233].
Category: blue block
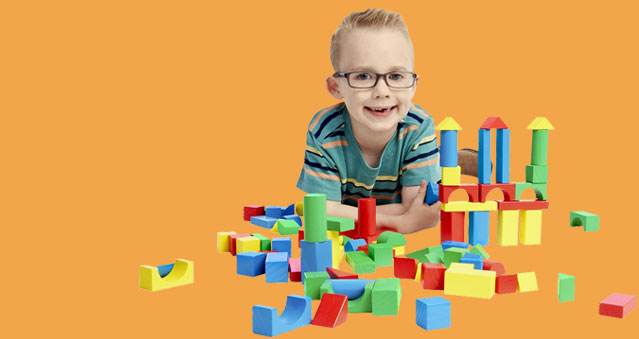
[297,313]
[290,210]
[351,288]
[295,217]
[483,159]
[478,228]
[276,267]
[352,245]
[450,243]
[251,263]
[263,221]
[281,245]
[432,193]
[448,149]
[433,313]
[164,270]
[503,156]
[273,211]
[316,256]
[475,259]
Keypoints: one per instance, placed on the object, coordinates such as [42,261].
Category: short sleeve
[421,157]
[319,173]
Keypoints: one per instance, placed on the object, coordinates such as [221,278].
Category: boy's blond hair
[372,19]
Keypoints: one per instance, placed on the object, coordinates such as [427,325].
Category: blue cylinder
[448,149]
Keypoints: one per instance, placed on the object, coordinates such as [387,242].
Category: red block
[252,211]
[363,248]
[332,310]
[366,217]
[618,305]
[433,276]
[506,284]
[295,267]
[452,226]
[232,241]
[404,268]
[494,266]
[471,189]
[337,274]
[300,237]
[507,189]
[522,205]
[493,122]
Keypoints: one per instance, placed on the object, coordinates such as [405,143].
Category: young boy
[376,143]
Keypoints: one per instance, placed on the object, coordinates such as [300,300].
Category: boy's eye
[395,76]
[362,76]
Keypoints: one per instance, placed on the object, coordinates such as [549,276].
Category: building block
[475,259]
[527,282]
[265,243]
[382,254]
[508,190]
[366,217]
[459,244]
[478,249]
[223,241]
[404,268]
[452,226]
[471,189]
[299,208]
[246,244]
[540,123]
[297,313]
[252,211]
[493,123]
[432,193]
[364,248]
[463,280]
[276,267]
[539,155]
[332,310]
[312,283]
[540,189]
[233,242]
[537,174]
[433,276]
[290,210]
[391,238]
[386,296]
[588,220]
[494,266]
[251,263]
[506,284]
[432,255]
[507,227]
[263,221]
[295,269]
[448,149]
[282,245]
[351,288]
[502,174]
[339,224]
[315,218]
[448,124]
[337,274]
[181,274]
[336,250]
[399,250]
[273,212]
[419,255]
[483,159]
[360,262]
[618,305]
[275,229]
[453,255]
[565,287]
[164,270]
[300,237]
[522,205]
[287,227]
[418,272]
[478,231]
[294,217]
[353,244]
[464,206]
[451,176]
[432,313]
[530,227]
[363,304]
[316,256]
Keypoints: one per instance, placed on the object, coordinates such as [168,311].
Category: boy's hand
[418,215]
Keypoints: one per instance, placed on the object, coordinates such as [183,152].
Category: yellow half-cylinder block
[530,223]
[469,282]
[299,208]
[399,250]
[223,241]
[246,244]
[526,282]
[465,206]
[507,228]
[181,274]
[451,176]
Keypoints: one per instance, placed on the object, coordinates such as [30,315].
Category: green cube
[382,254]
[265,243]
[566,288]
[360,262]
[387,294]
[537,174]
[453,254]
[312,283]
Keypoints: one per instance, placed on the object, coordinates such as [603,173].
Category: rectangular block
[276,267]
[233,242]
[618,305]
[452,226]
[246,244]
[360,263]
[530,227]
[502,174]
[522,205]
[527,282]
[459,244]
[386,296]
[316,256]
[251,263]
[465,206]
[252,210]
[537,174]
[312,283]
[287,227]
[265,243]
[433,313]
[451,176]
[469,282]
[382,254]
[281,245]
[274,212]
[484,167]
[478,228]
[295,269]
[223,241]
[339,224]
[507,228]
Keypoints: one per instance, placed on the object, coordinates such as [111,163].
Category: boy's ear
[333,87]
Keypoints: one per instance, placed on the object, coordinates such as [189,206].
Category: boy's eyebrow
[370,69]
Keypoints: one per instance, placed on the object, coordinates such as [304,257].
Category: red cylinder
[366,216]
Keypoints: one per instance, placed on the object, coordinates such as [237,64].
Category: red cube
[405,268]
[433,276]
[506,284]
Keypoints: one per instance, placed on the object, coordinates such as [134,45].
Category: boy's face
[377,51]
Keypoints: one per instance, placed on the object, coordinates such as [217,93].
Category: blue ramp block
[478,225]
[448,149]
[316,256]
[297,313]
[483,161]
[433,313]
[503,156]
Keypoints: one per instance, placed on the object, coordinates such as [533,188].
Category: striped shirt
[335,166]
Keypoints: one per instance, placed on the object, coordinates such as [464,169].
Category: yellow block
[418,274]
[507,228]
[465,206]
[341,240]
[448,124]
[181,274]
[299,208]
[466,281]
[223,241]
[399,250]
[246,244]
[461,266]
[530,223]
[526,282]
[540,123]
[274,228]
[451,176]
[335,237]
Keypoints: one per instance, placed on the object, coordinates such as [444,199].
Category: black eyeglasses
[363,79]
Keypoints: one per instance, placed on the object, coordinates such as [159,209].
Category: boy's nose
[381,89]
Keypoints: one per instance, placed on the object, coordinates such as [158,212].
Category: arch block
[296,314]
[540,189]
[471,189]
[181,274]
[509,191]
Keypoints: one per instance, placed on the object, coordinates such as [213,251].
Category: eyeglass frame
[377,76]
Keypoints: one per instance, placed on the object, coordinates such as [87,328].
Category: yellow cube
[507,228]
[530,232]
[246,244]
[451,176]
[223,241]
[526,282]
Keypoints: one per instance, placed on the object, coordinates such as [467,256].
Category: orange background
[132,132]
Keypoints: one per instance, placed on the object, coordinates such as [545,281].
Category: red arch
[471,189]
[508,190]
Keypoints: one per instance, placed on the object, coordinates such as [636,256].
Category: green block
[387,293]
[434,258]
[315,218]
[392,238]
[481,251]
[346,239]
[363,304]
[566,288]
[539,154]
[537,174]
[312,283]
[419,255]
[453,254]
[589,221]
[382,254]
[265,243]
[431,255]
[438,252]
[326,287]
[339,224]
[287,227]
[360,262]
[540,189]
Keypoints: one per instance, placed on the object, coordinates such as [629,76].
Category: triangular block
[337,274]
[332,310]
[448,124]
[540,123]
[493,122]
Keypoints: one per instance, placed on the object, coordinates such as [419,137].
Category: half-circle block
[493,122]
[471,189]
[391,238]
[540,189]
[588,220]
[181,274]
[509,191]
[522,205]
[297,313]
